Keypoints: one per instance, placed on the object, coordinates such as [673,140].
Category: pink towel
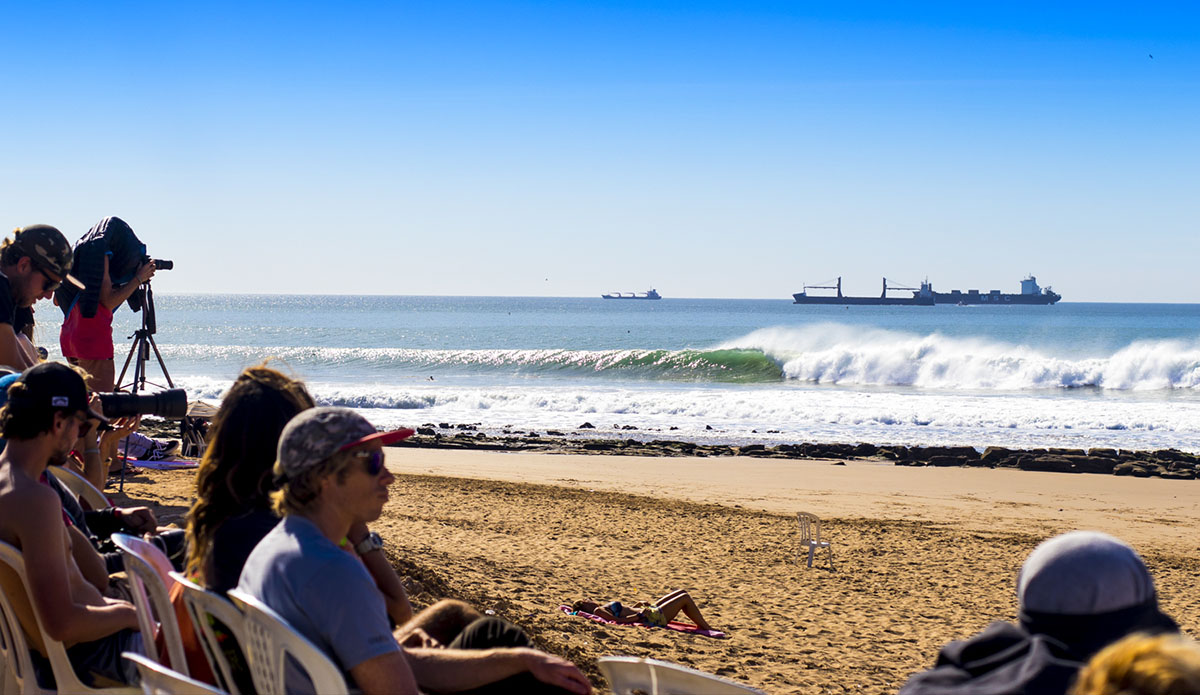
[673,625]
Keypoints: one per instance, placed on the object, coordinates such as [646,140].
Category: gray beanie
[1083,573]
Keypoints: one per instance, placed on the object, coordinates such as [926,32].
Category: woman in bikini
[657,614]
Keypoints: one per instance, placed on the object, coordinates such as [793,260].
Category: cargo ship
[924,295]
[651,294]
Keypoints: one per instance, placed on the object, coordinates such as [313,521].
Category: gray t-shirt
[322,591]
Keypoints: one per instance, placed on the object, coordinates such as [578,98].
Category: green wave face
[731,366]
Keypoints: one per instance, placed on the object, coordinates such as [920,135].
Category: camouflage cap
[318,433]
[48,249]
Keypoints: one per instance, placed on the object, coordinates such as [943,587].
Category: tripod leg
[128,358]
[161,365]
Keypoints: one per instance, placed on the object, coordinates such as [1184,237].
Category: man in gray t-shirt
[331,464]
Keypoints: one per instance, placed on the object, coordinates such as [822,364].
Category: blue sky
[558,148]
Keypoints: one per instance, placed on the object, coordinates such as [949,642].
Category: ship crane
[886,287]
[837,287]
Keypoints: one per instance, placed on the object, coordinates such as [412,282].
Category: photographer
[112,257]
[32,265]
[114,262]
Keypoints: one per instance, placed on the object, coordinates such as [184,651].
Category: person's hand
[87,433]
[420,638]
[138,519]
[558,672]
[121,428]
[146,271]
[126,610]
[357,534]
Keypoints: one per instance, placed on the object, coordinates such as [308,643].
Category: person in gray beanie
[1077,593]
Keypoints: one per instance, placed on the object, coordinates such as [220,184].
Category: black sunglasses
[51,284]
[374,461]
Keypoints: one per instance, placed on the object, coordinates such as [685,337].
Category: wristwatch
[371,542]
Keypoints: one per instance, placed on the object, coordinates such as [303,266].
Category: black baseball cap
[54,385]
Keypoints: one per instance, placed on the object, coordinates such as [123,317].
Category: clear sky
[710,149]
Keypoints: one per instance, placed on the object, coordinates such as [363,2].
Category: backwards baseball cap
[48,249]
[53,385]
[318,433]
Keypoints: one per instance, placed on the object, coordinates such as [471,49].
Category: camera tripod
[139,355]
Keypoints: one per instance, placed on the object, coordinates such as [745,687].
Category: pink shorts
[87,339]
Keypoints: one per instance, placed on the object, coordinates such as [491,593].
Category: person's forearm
[452,670]
[10,351]
[398,606]
[28,351]
[115,295]
[90,623]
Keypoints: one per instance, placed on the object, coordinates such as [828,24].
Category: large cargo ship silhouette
[924,295]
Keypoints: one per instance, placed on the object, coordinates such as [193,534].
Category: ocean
[707,370]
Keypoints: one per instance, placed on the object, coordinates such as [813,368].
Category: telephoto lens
[164,264]
[170,404]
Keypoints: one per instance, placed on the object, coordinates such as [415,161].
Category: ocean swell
[730,365]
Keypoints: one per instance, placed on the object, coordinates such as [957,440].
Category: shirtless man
[46,409]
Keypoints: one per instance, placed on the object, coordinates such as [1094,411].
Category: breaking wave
[823,354]
[839,354]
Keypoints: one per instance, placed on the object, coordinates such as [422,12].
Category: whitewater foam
[847,355]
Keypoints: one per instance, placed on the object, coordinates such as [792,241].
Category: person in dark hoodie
[1077,593]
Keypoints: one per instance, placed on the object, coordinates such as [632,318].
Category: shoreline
[1162,463]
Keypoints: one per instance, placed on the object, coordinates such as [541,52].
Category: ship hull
[801,298]
[994,299]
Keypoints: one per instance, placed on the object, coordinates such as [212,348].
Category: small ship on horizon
[650,294]
[1030,293]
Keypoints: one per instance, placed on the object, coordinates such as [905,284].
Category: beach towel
[165,465]
[169,465]
[673,625]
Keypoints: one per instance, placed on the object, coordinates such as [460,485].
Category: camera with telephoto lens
[170,404]
[159,263]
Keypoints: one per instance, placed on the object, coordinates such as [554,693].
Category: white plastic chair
[64,675]
[810,537]
[160,680]
[80,486]
[149,573]
[628,675]
[18,664]
[271,640]
[201,604]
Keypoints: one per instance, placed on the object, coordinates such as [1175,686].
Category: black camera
[160,263]
[170,404]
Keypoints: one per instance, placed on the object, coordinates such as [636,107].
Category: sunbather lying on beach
[658,613]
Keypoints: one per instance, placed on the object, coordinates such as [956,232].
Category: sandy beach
[922,555]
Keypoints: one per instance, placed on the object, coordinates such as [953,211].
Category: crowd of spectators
[285,494]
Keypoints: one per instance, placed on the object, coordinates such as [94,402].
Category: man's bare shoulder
[24,503]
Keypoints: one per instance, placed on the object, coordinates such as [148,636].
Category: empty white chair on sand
[201,605]
[628,675]
[80,486]
[269,643]
[810,538]
[64,674]
[160,680]
[150,582]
